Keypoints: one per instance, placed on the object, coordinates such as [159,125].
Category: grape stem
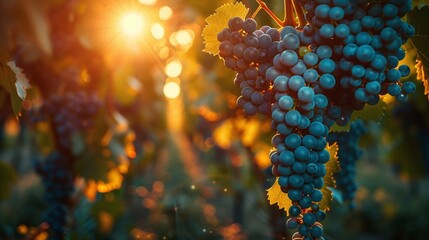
[271,13]
[299,13]
[256,11]
[289,20]
[291,8]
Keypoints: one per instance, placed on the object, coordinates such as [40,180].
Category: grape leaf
[332,166]
[275,195]
[419,18]
[421,75]
[217,22]
[13,81]
[21,83]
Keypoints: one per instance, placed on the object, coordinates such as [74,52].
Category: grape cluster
[57,176]
[362,40]
[348,153]
[248,52]
[310,78]
[69,113]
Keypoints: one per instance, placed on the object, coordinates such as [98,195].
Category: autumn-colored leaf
[21,84]
[418,18]
[332,166]
[275,195]
[223,135]
[218,21]
[249,129]
[13,81]
[421,75]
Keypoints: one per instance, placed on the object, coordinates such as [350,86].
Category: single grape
[327,30]
[249,25]
[326,66]
[296,82]
[291,41]
[293,118]
[289,58]
[235,23]
[327,81]
[309,219]
[316,129]
[305,94]
[408,87]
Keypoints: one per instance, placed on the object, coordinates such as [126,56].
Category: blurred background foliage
[168,156]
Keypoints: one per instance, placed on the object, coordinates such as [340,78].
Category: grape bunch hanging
[311,74]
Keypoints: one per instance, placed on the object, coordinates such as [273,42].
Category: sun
[131,24]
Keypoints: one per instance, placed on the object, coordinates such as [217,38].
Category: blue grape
[291,41]
[289,58]
[327,81]
[373,87]
[310,75]
[326,66]
[306,94]
[293,118]
[327,30]
[365,53]
[409,87]
[342,31]
[324,51]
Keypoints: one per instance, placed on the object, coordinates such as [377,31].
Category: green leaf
[7,178]
[332,166]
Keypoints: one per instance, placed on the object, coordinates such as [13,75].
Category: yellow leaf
[332,166]
[250,130]
[218,21]
[275,195]
[421,75]
[223,135]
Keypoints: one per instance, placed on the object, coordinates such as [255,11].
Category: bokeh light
[164,53]
[171,90]
[184,37]
[165,13]
[173,68]
[157,31]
